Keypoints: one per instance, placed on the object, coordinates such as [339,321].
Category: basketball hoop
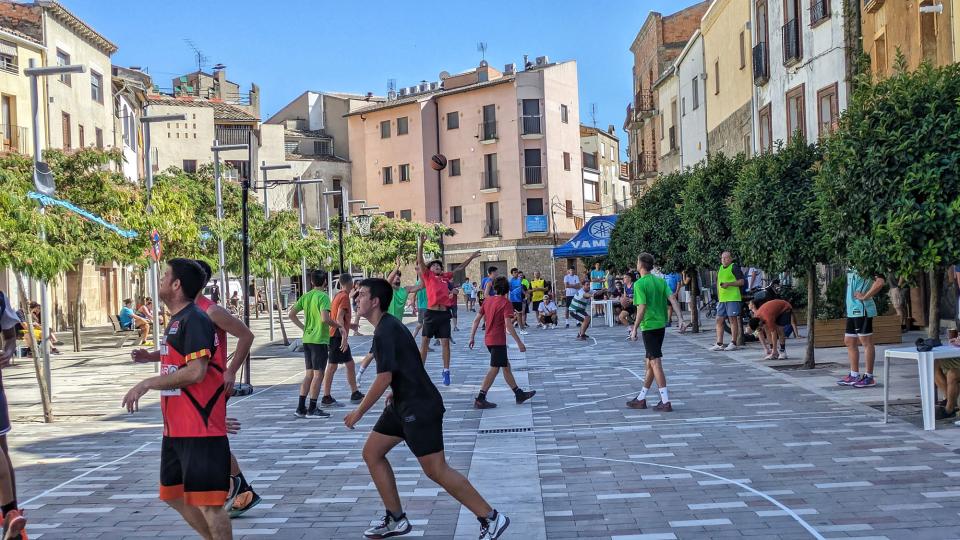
[363,222]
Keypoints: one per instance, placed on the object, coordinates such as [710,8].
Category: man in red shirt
[436,322]
[767,323]
[195,454]
[498,311]
[340,354]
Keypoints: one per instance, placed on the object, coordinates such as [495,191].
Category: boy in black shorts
[413,414]
[499,315]
[651,296]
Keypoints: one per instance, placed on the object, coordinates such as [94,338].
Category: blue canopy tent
[592,241]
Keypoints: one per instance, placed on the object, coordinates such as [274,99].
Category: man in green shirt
[397,306]
[651,296]
[315,305]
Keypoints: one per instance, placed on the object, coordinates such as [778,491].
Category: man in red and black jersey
[195,454]
[440,298]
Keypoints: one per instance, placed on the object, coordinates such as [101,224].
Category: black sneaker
[483,404]
[318,413]
[328,401]
[523,396]
[356,397]
[300,412]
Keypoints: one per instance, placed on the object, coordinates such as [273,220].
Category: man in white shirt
[571,284]
[547,312]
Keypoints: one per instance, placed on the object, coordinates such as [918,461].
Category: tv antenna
[593,114]
[198,54]
[391,86]
[482,49]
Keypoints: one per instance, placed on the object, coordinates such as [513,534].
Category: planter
[829,332]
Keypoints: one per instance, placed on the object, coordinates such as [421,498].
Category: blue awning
[592,240]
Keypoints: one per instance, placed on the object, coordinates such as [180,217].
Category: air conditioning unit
[434,86]
[403,92]
[413,90]
[509,69]
[424,87]
[543,60]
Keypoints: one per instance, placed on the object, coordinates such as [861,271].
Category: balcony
[647,165]
[531,126]
[489,181]
[233,134]
[643,104]
[491,228]
[9,64]
[761,63]
[14,139]
[533,175]
[487,132]
[791,42]
[672,137]
[819,11]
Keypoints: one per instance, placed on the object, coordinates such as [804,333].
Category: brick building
[658,43]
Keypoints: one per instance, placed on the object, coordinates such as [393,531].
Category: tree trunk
[808,358]
[35,348]
[76,310]
[935,278]
[279,306]
[694,306]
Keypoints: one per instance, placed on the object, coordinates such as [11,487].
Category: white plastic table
[925,361]
[607,310]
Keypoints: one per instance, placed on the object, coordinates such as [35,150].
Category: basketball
[438,162]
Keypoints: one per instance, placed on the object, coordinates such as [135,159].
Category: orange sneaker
[14,526]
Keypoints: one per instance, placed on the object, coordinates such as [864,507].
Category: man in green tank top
[729,281]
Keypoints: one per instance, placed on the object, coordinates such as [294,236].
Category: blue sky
[288,46]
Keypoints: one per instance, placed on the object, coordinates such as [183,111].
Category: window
[792,37]
[796,116]
[591,191]
[82,138]
[928,33]
[389,215]
[388,175]
[695,88]
[488,130]
[402,126]
[405,172]
[564,115]
[385,129]
[323,148]
[568,206]
[603,149]
[828,109]
[532,170]
[491,225]
[455,167]
[490,177]
[683,106]
[880,55]
[746,145]
[566,161]
[456,214]
[662,120]
[743,50]
[406,215]
[531,116]
[98,137]
[8,56]
[96,86]
[63,59]
[765,130]
[716,78]
[453,120]
[190,166]
[606,189]
[535,207]
[819,11]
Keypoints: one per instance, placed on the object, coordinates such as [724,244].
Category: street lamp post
[147,120]
[266,215]
[216,149]
[35,73]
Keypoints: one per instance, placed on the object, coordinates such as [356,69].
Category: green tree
[705,214]
[775,222]
[889,188]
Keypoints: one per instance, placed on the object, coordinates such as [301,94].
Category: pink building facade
[512,185]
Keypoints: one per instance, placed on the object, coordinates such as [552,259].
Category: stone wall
[728,136]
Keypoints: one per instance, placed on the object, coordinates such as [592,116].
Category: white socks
[854,373]
[664,395]
[642,394]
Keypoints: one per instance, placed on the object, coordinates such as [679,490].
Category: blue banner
[536,224]
[593,240]
[50,201]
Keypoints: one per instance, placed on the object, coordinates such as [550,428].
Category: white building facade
[693,104]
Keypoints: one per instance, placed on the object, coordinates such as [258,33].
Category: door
[67,143]
[489,122]
[532,172]
[6,121]
[501,267]
[531,116]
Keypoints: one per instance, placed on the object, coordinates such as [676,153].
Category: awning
[592,240]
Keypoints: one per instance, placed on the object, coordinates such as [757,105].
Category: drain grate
[504,430]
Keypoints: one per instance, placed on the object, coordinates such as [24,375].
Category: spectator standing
[571,285]
[861,309]
[729,281]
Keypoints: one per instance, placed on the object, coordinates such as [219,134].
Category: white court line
[813,531]
[139,448]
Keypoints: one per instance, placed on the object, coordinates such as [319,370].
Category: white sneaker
[523,333]
[716,348]
[389,526]
[494,529]
[770,356]
[731,347]
[783,355]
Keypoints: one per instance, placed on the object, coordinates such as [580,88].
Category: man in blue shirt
[861,309]
[130,320]
[517,295]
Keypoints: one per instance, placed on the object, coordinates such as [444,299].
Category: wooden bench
[829,333]
[122,333]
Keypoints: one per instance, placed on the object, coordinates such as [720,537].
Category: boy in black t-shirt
[413,414]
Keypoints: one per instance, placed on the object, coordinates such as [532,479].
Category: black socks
[12,505]
[313,405]
[518,391]
[244,486]
[482,396]
[303,403]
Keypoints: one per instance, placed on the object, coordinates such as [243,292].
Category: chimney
[369,96]
[221,76]
[611,130]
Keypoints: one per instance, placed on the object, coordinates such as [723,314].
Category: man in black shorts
[413,414]
[340,353]
[195,454]
[315,305]
[651,294]
[14,524]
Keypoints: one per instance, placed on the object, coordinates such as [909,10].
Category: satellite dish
[43,179]
[444,75]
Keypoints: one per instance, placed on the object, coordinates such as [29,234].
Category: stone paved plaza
[748,452]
